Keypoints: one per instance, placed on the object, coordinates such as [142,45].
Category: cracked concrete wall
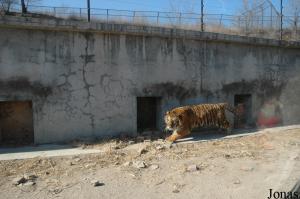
[85,84]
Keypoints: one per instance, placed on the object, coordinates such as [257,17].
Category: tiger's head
[173,121]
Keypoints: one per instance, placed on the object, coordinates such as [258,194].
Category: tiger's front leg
[177,135]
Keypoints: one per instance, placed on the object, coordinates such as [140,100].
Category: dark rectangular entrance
[147,111]
[16,123]
[244,104]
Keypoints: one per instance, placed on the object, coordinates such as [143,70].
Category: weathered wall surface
[85,84]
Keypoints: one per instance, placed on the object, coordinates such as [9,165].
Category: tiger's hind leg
[177,135]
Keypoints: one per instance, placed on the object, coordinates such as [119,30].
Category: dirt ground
[241,167]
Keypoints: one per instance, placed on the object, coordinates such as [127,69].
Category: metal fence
[245,24]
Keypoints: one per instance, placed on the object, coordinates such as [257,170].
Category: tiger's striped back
[210,115]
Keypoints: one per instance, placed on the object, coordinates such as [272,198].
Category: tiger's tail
[234,110]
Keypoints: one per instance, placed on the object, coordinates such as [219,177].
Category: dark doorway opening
[147,113]
[16,123]
[244,104]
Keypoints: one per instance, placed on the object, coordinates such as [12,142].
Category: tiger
[182,120]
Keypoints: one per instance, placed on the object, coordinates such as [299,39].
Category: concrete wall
[84,82]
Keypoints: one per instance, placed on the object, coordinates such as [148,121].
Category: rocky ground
[241,167]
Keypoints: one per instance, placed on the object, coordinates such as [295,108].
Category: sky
[211,6]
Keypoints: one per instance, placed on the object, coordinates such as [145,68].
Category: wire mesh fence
[248,24]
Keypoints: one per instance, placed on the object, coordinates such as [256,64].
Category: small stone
[116,147]
[30,176]
[176,188]
[245,168]
[131,142]
[90,165]
[19,180]
[192,168]
[126,164]
[56,190]
[96,183]
[132,175]
[227,155]
[139,164]
[237,182]
[29,183]
[154,167]
[77,159]
[160,147]
[142,151]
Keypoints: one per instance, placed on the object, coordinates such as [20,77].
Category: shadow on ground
[215,134]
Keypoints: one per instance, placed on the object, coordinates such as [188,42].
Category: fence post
[271,18]
[133,16]
[296,29]
[54,11]
[262,18]
[202,16]
[89,10]
[106,15]
[157,19]
[280,19]
[180,19]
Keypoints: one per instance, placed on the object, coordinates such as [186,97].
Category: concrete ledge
[41,151]
[81,26]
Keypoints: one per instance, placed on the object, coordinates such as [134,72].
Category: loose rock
[142,151]
[116,147]
[176,188]
[131,142]
[192,168]
[30,176]
[227,155]
[154,167]
[175,191]
[19,180]
[96,183]
[160,147]
[126,164]
[139,164]
[26,179]
[245,168]
[90,165]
